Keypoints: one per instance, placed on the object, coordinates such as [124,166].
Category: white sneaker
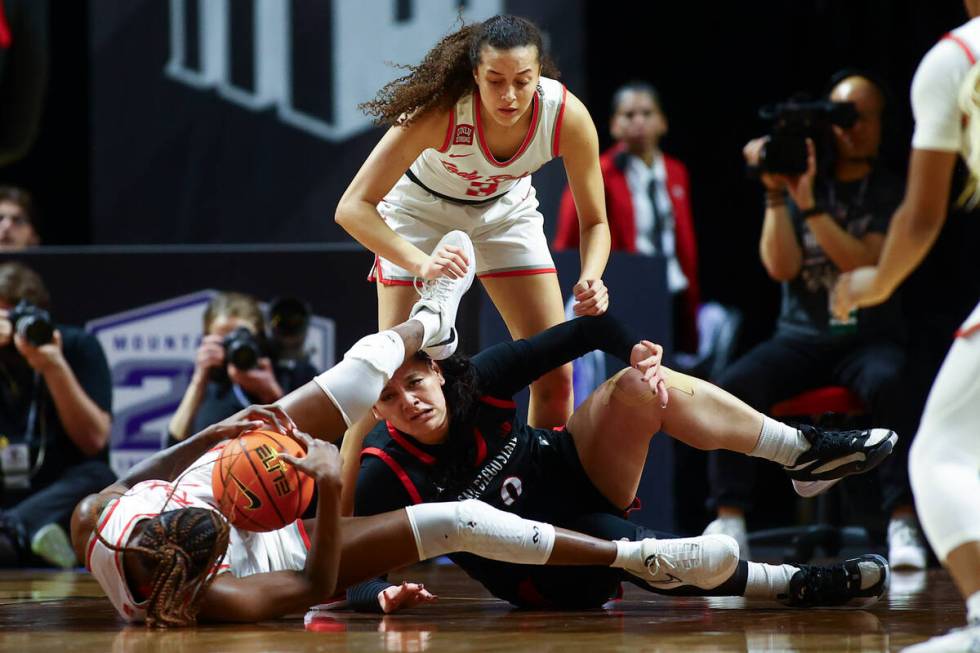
[906,548]
[958,639]
[442,296]
[732,527]
[706,561]
[51,543]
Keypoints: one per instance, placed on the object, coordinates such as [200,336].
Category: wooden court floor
[61,612]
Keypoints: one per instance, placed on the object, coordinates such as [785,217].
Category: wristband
[775,198]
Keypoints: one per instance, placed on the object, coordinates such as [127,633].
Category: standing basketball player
[944,464]
[469,125]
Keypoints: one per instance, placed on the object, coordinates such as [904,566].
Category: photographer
[826,221]
[55,418]
[234,366]
[18,220]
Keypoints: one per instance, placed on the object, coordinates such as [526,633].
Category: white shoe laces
[436,290]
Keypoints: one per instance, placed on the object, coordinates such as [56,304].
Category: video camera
[793,122]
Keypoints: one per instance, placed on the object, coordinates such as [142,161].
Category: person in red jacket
[648,202]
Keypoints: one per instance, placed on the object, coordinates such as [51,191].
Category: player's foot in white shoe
[706,561]
[442,296]
[858,583]
[835,454]
[906,546]
[958,639]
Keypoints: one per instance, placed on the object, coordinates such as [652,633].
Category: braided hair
[446,71]
[187,544]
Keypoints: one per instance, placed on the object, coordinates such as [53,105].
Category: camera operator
[826,221]
[55,418]
[235,366]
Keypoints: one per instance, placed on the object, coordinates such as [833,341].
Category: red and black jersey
[534,473]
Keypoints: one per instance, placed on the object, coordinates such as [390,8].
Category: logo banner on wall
[236,121]
[150,351]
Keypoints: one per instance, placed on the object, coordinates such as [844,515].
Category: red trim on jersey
[93,538]
[397,469]
[491,159]
[5,38]
[498,403]
[303,534]
[966,332]
[449,132]
[517,273]
[960,42]
[481,447]
[408,446]
[376,275]
[561,116]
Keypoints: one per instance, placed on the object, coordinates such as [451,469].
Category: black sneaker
[835,454]
[858,583]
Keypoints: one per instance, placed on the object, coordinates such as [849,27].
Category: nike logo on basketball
[459,156]
[254,502]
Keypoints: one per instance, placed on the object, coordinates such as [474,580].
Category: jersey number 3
[481,188]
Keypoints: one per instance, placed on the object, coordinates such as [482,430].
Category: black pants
[55,502]
[787,365]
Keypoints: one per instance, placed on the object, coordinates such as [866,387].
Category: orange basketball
[255,488]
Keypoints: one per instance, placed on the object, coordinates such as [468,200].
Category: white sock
[779,442]
[973,608]
[431,322]
[768,581]
[626,553]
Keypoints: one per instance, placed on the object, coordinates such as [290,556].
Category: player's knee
[629,388]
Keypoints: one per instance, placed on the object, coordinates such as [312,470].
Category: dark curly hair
[446,71]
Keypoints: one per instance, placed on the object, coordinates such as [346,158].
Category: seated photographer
[55,418]
[828,220]
[18,220]
[235,364]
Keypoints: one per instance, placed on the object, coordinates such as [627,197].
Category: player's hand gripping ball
[255,488]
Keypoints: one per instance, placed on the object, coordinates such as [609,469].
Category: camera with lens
[793,122]
[242,349]
[32,323]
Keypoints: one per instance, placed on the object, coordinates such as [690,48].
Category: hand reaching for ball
[322,460]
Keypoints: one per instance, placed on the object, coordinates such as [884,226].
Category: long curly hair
[187,544]
[446,71]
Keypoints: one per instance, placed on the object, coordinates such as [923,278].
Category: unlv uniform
[248,552]
[462,186]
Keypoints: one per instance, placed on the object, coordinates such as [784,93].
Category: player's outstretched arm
[167,464]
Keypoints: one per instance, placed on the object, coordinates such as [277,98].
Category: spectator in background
[816,227]
[55,418]
[222,385]
[648,202]
[18,220]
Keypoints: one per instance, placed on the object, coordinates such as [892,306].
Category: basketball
[255,489]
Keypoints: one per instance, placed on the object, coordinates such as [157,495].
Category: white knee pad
[472,526]
[355,383]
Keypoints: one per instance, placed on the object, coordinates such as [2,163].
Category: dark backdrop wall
[129,154]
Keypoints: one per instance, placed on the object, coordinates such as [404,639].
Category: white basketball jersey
[248,553]
[464,168]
